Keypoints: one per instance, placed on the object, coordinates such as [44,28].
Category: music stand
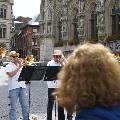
[32,73]
[50,75]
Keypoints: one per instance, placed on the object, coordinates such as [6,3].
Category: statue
[81,5]
[81,23]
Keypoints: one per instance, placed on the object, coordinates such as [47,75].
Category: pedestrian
[2,54]
[56,61]
[17,90]
[90,84]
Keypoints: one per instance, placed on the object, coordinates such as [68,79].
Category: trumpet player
[17,90]
[58,60]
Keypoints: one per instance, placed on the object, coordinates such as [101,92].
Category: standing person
[1,63]
[17,90]
[90,84]
[2,54]
[56,61]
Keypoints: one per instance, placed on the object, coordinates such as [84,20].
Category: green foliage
[73,42]
[58,44]
[113,37]
[113,3]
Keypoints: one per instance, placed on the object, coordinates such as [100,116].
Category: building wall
[7,22]
[75,22]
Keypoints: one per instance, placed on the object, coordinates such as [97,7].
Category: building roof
[35,20]
[17,22]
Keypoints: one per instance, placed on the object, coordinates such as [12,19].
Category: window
[49,15]
[94,31]
[34,42]
[65,11]
[49,29]
[64,30]
[3,11]
[2,31]
[81,6]
[64,26]
[34,30]
[116,18]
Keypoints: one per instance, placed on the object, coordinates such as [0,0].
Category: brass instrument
[28,60]
[2,52]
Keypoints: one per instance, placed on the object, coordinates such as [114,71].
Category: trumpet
[28,60]
[2,52]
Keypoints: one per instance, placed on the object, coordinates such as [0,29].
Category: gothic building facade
[6,16]
[64,24]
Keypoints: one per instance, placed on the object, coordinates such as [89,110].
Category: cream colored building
[65,24]
[6,16]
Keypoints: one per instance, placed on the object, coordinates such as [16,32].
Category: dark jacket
[1,63]
[99,113]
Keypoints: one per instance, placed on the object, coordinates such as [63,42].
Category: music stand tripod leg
[55,107]
[29,99]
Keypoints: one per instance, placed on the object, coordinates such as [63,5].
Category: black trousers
[51,100]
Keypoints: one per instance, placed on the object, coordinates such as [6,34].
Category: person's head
[14,56]
[57,54]
[91,77]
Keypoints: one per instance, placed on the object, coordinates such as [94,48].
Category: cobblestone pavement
[38,98]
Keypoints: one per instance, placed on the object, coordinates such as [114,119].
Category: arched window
[2,31]
[81,4]
[49,15]
[116,18]
[94,30]
[3,11]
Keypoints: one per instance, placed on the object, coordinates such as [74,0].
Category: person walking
[90,84]
[17,90]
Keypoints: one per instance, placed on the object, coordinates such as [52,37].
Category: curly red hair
[91,77]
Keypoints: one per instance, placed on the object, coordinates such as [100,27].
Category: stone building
[65,24]
[6,16]
[26,38]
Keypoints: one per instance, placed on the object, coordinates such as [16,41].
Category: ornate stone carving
[81,6]
[81,23]
[100,18]
[81,27]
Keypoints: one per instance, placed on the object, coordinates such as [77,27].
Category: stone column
[101,20]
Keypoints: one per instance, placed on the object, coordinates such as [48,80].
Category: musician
[1,63]
[2,54]
[56,61]
[17,90]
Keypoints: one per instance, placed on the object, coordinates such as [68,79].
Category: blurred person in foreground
[17,90]
[90,84]
[58,60]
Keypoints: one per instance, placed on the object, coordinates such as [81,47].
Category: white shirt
[13,81]
[54,83]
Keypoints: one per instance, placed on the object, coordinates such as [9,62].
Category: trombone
[28,60]
[2,52]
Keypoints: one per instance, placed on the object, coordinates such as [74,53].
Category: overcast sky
[26,8]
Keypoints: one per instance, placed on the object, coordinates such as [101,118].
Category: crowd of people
[88,84]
